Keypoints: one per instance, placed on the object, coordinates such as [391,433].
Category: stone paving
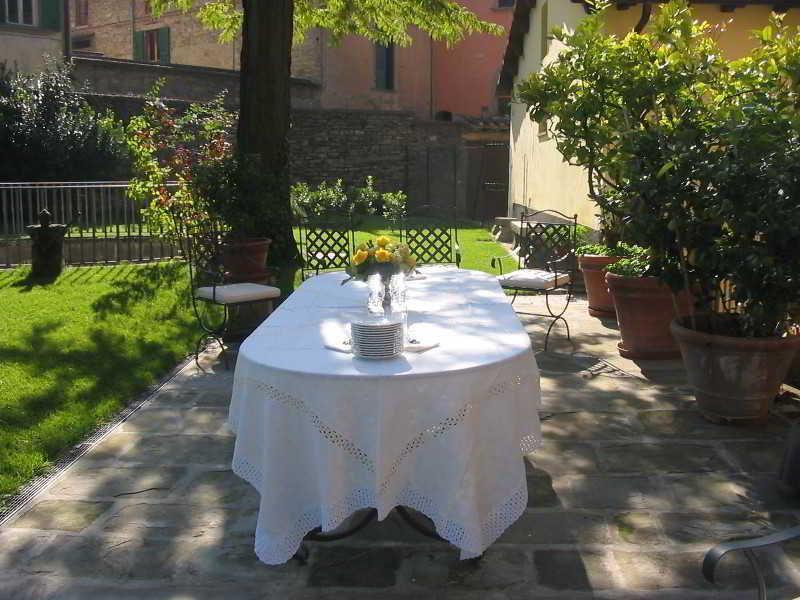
[630,489]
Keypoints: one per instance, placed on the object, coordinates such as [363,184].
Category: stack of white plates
[379,339]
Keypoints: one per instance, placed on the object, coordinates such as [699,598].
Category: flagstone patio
[629,490]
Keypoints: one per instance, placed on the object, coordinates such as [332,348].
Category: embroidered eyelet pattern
[527,444]
[329,433]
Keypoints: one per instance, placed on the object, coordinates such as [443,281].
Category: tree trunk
[265,104]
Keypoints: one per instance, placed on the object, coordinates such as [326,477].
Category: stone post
[47,247]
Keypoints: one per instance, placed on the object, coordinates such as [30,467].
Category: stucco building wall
[466,73]
[25,48]
[539,177]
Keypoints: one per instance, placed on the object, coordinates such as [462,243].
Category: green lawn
[73,352]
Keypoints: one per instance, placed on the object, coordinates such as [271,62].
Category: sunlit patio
[629,490]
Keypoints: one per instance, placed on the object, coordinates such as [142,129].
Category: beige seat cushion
[533,279]
[237,293]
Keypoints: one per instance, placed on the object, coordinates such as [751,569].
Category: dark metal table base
[316,535]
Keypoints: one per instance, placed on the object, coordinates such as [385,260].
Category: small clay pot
[593,267]
[734,378]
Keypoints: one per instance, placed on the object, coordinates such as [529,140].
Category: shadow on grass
[141,285]
[80,366]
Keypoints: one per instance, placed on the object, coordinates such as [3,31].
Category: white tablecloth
[321,434]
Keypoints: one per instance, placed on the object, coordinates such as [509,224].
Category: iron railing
[105,225]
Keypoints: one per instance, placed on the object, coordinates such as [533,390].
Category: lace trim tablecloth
[322,437]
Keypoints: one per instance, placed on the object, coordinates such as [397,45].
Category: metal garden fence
[105,225]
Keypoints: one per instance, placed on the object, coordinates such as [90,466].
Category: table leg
[317,536]
[417,525]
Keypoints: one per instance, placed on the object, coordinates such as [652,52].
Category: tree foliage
[697,154]
[378,20]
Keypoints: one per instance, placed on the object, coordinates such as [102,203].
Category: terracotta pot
[734,378]
[593,268]
[645,310]
[245,260]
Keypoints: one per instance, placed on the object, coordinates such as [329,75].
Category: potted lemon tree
[609,101]
[740,239]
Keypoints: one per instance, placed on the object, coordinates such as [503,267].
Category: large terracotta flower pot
[245,260]
[734,378]
[645,310]
[593,268]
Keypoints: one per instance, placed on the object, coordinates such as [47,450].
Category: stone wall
[425,158]
[129,79]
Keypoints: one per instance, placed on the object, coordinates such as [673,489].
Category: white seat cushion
[237,293]
[533,279]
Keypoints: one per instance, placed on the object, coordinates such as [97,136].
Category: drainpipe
[66,31]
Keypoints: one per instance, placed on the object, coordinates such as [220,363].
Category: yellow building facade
[539,178]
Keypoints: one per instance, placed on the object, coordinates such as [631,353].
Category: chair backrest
[546,236]
[325,246]
[201,247]
[433,239]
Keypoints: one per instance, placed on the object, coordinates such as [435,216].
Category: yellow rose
[360,256]
[383,241]
[383,256]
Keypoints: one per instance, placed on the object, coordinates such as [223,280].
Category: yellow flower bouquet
[383,256]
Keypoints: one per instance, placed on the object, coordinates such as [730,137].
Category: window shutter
[380,66]
[163,46]
[2,11]
[138,45]
[545,30]
[50,14]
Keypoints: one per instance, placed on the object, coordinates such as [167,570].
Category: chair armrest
[559,261]
[715,554]
[497,261]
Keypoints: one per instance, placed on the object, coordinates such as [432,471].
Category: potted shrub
[187,170]
[633,112]
[593,261]
[645,308]
[237,195]
[738,349]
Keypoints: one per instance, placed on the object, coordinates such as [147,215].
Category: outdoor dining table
[321,434]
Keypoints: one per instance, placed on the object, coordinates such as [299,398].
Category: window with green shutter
[163,46]
[138,46]
[50,12]
[32,13]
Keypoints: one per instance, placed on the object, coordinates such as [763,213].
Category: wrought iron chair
[325,246]
[431,238]
[748,547]
[201,246]
[546,261]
